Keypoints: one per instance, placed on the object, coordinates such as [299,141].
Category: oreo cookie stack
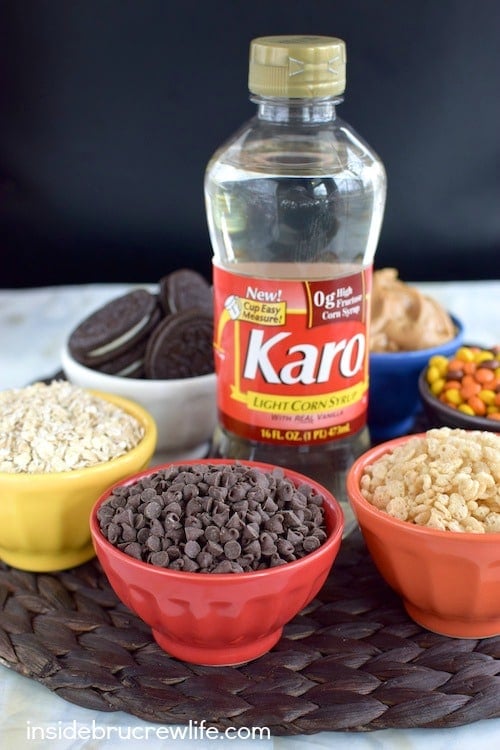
[144,335]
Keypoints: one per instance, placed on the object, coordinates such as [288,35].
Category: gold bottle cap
[297,66]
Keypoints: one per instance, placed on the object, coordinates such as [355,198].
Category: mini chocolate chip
[251,531]
[223,567]
[134,489]
[227,534]
[235,522]
[207,503]
[118,501]
[274,524]
[290,519]
[192,549]
[148,495]
[285,491]
[258,495]
[236,567]
[218,493]
[134,501]
[159,558]
[214,548]
[253,549]
[186,477]
[153,543]
[295,537]
[315,498]
[134,550]
[285,547]
[310,543]
[205,518]
[276,560]
[192,507]
[213,477]
[139,521]
[232,549]
[193,522]
[190,492]
[157,527]
[204,559]
[172,496]
[253,516]
[176,534]
[152,510]
[172,521]
[267,544]
[190,565]
[193,533]
[298,501]
[173,552]
[113,532]
[269,505]
[220,518]
[173,507]
[124,490]
[129,534]
[237,493]
[212,533]
[248,561]
[105,513]
[142,535]
[241,507]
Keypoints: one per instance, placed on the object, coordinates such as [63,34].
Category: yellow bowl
[44,518]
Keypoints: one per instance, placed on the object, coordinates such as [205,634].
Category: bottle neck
[306,111]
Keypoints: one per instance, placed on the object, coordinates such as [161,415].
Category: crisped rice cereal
[448,479]
[61,427]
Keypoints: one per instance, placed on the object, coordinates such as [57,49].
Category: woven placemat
[352,661]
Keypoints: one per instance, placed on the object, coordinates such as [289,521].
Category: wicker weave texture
[353,661]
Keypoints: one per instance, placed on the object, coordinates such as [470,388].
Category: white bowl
[184,409]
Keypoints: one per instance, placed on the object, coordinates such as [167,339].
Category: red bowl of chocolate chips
[216,556]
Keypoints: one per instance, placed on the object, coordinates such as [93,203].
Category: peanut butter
[404,319]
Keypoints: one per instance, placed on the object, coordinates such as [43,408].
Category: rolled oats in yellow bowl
[61,446]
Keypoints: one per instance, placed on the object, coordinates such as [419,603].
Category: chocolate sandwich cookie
[184,289]
[115,328]
[130,364]
[181,346]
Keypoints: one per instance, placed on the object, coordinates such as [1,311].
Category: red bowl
[449,581]
[219,618]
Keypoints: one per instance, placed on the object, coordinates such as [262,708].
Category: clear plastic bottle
[295,202]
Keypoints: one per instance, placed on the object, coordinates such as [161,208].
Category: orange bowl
[219,618]
[449,581]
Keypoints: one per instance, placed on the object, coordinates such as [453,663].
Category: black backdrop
[110,110]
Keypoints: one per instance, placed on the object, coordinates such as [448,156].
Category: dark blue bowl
[394,399]
[442,415]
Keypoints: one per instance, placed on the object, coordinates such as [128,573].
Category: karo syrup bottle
[295,202]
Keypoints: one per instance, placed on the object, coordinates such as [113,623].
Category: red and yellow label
[291,356]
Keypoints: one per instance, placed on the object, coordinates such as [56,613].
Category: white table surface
[34,324]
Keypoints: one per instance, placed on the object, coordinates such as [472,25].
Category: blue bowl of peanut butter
[407,329]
